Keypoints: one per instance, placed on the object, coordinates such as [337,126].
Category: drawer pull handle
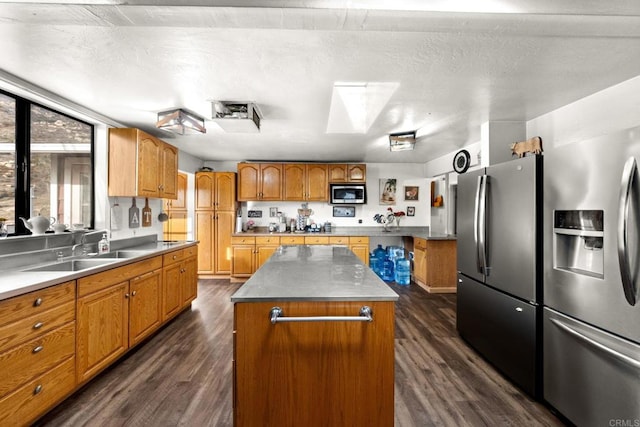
[38,325]
[37,302]
[365,314]
[175,256]
[37,390]
[38,349]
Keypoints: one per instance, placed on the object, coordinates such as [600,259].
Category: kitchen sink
[72,265]
[122,254]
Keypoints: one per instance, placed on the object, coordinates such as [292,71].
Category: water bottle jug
[387,270]
[379,252]
[403,272]
[376,265]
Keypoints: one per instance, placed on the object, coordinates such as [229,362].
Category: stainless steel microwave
[348,194]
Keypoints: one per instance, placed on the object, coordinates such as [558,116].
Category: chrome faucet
[83,241]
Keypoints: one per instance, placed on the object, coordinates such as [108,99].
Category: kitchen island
[314,342]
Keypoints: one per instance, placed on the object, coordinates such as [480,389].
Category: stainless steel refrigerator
[591,271]
[499,267]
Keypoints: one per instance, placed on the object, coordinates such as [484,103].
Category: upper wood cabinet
[216,190]
[351,172]
[260,181]
[141,165]
[306,181]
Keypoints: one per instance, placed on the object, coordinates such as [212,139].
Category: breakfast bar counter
[314,342]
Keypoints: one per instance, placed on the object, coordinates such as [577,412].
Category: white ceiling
[504,60]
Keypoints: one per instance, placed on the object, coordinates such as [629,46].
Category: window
[46,164]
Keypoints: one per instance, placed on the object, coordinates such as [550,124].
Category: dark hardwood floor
[182,375]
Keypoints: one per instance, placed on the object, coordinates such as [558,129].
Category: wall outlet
[359,221]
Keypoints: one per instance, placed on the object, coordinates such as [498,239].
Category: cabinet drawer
[268,240]
[172,257]
[419,243]
[339,240]
[24,362]
[292,240]
[316,240]
[190,251]
[99,281]
[243,240]
[37,396]
[22,306]
[15,333]
[360,240]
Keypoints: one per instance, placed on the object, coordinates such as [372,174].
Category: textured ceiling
[513,61]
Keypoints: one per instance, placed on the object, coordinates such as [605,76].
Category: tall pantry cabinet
[215,219]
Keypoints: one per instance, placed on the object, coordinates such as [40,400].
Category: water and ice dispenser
[578,238]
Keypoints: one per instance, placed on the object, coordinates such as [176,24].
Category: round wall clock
[461,161]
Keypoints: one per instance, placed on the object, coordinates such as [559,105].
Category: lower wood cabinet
[37,347]
[434,265]
[180,281]
[313,373]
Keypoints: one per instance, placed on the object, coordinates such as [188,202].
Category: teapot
[38,224]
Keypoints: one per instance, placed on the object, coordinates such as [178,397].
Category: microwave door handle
[628,175]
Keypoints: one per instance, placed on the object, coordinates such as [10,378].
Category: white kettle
[38,224]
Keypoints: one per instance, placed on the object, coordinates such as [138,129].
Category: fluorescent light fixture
[236,116]
[356,105]
[181,121]
[402,141]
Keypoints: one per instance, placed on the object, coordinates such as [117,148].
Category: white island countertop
[314,273]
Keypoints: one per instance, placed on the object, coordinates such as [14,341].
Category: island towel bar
[366,315]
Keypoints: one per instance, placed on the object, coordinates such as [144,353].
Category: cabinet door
[225,191]
[420,265]
[145,306]
[205,237]
[270,181]
[176,227]
[149,157]
[205,185]
[263,253]
[168,171]
[189,290]
[248,181]
[224,222]
[181,193]
[337,173]
[295,178]
[243,260]
[357,173]
[317,183]
[361,252]
[102,329]
[171,287]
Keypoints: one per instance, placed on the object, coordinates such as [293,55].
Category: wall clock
[461,161]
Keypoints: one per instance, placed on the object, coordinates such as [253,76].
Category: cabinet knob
[38,325]
[37,349]
[126,295]
[133,294]
[175,256]
[38,389]
[37,302]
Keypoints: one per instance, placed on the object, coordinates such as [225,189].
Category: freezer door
[513,225]
[502,329]
[590,376]
[467,227]
[591,175]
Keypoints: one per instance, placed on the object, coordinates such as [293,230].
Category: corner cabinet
[141,165]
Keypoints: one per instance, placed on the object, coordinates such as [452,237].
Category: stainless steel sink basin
[122,254]
[72,265]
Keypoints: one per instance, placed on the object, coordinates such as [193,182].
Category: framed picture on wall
[411,192]
[387,191]
[411,211]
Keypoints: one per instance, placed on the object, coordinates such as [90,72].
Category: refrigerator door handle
[478,237]
[611,352]
[628,175]
[481,221]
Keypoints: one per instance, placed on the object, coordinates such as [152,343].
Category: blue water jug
[379,252]
[403,271]
[388,270]
[376,265]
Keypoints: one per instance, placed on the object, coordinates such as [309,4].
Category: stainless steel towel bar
[365,315]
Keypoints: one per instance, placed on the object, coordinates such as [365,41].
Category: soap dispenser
[103,245]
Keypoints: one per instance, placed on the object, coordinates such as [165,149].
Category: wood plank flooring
[182,375]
